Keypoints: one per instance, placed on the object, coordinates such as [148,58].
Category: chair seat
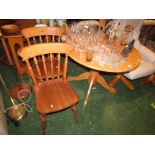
[144,69]
[48,65]
[52,96]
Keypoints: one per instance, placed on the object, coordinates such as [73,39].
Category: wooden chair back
[46,34]
[42,50]
[37,35]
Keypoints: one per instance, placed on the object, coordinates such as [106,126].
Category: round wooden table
[131,62]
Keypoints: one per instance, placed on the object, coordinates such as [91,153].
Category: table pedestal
[123,79]
[93,77]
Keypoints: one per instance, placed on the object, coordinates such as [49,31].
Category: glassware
[93,44]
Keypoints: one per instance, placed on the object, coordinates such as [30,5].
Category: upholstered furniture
[147,65]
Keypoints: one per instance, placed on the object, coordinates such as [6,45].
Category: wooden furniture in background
[9,43]
[149,22]
[12,42]
[54,94]
[34,35]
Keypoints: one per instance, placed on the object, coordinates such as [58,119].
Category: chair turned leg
[75,114]
[43,124]
[150,79]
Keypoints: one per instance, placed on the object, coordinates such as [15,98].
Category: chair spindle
[34,40]
[53,38]
[58,65]
[52,68]
[65,68]
[31,72]
[37,68]
[44,66]
[40,39]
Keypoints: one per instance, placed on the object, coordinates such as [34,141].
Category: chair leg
[74,113]
[43,123]
[150,79]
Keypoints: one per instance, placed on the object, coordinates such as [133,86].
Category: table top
[106,55]
[131,62]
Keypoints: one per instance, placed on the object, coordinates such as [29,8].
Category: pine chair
[52,94]
[34,35]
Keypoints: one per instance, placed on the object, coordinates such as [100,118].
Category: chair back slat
[37,68]
[40,39]
[28,41]
[58,65]
[43,31]
[52,67]
[44,66]
[47,38]
[65,67]
[43,50]
[53,40]
[59,38]
[34,40]
[31,72]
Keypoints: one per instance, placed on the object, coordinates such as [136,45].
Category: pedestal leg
[83,76]
[127,82]
[114,80]
[105,85]
[123,79]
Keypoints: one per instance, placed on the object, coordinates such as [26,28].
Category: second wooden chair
[35,35]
